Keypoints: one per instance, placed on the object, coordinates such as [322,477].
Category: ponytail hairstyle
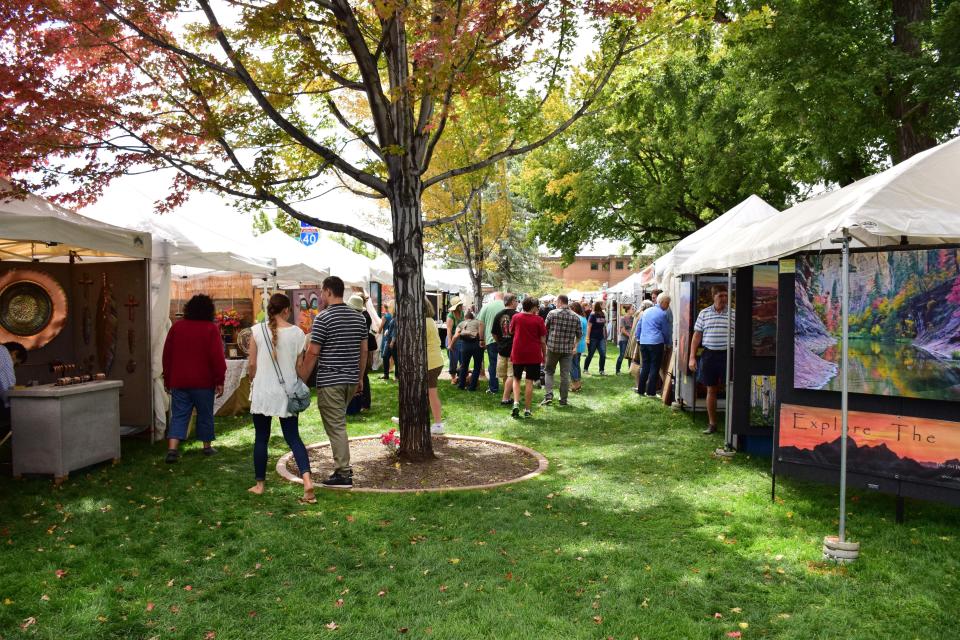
[277,305]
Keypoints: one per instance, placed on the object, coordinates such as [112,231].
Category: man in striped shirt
[338,346]
[710,332]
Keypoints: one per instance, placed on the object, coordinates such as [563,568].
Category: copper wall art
[131,304]
[107,324]
[33,308]
[86,319]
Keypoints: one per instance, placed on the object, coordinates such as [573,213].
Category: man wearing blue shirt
[654,332]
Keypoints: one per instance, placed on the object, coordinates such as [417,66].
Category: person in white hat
[454,318]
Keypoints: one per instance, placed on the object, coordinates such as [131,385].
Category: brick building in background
[604,262]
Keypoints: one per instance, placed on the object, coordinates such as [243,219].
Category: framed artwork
[904,323]
[764,311]
[763,401]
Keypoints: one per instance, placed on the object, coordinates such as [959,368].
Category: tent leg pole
[727,401]
[844,407]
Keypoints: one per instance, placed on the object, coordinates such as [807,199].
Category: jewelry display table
[57,430]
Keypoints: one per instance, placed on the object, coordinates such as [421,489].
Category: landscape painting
[904,323]
[890,445]
[763,400]
[764,311]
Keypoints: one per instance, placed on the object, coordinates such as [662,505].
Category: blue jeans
[291,433]
[492,354]
[454,355]
[575,367]
[386,353]
[652,357]
[470,349]
[622,343]
[182,404]
[594,346]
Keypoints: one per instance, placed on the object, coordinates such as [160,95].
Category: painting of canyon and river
[904,323]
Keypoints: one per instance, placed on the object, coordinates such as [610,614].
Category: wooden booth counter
[57,430]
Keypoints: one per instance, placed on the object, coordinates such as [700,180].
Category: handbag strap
[273,356]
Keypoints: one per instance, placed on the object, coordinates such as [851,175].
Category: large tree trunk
[407,256]
[903,107]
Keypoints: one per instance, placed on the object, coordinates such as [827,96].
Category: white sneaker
[436,429]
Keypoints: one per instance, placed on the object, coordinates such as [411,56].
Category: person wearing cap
[454,318]
[467,342]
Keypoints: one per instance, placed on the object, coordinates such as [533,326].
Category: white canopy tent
[34,228]
[354,269]
[916,202]
[718,234]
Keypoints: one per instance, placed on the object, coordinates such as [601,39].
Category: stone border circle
[542,465]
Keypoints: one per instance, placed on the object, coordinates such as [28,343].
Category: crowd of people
[524,343]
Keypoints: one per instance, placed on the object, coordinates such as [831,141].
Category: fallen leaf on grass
[188,588]
[527,513]
[783,616]
[252,614]
[29,622]
[382,593]
[7,601]
[454,560]
[598,619]
[338,603]
[443,588]
[351,519]
[45,598]
[101,618]
[733,634]
[150,606]
[60,573]
[210,635]
[170,582]
[333,626]
[718,615]
[403,629]
[744,625]
[736,610]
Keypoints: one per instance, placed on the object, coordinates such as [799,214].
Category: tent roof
[725,229]
[918,199]
[30,223]
[292,256]
[626,286]
[351,267]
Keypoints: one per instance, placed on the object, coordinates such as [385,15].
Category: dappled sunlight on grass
[635,530]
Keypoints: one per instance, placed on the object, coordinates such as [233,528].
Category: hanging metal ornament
[107,323]
[131,304]
[33,308]
[86,319]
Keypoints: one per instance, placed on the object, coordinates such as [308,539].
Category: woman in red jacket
[193,372]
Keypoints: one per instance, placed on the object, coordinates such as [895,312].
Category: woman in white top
[276,344]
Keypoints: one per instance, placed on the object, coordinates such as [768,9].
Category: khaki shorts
[432,376]
[504,369]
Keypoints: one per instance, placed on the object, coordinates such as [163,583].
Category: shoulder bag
[298,399]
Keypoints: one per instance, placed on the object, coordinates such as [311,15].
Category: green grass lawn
[634,532]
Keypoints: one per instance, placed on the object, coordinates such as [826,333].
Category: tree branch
[285,125]
[601,83]
[456,216]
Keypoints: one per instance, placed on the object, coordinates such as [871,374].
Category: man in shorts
[504,341]
[527,353]
[710,332]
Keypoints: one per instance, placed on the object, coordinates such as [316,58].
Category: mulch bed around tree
[462,462]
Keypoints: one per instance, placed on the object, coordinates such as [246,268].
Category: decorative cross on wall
[85,282]
[131,304]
